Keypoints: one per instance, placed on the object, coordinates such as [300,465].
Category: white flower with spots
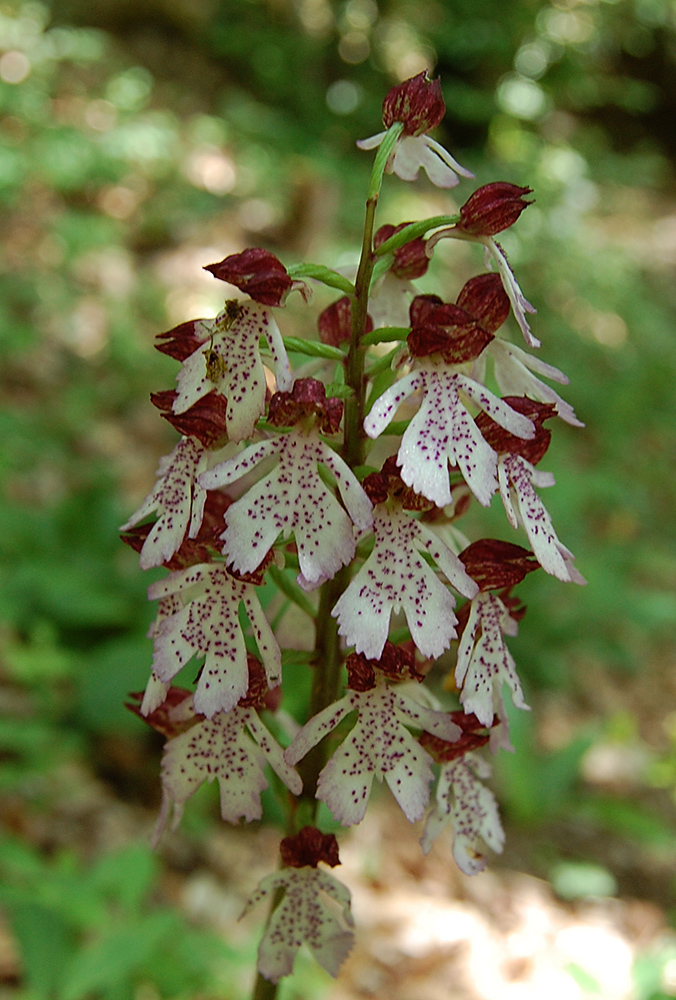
[293,499]
[415,151]
[379,746]
[304,916]
[442,432]
[484,662]
[470,809]
[232,747]
[231,363]
[517,479]
[178,499]
[514,369]
[396,577]
[207,624]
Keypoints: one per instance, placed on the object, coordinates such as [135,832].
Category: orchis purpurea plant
[348,503]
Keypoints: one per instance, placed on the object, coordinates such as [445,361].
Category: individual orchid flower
[208,624]
[484,661]
[233,747]
[442,433]
[396,577]
[231,363]
[178,499]
[379,746]
[302,915]
[464,803]
[292,498]
[517,479]
[418,104]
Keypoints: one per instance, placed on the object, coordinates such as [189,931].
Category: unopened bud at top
[492,208]
[417,103]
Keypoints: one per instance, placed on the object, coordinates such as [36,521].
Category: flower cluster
[338,486]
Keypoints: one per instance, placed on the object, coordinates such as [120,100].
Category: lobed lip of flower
[493,208]
[308,848]
[257,272]
[502,441]
[415,151]
[307,397]
[494,564]
[417,102]
[192,550]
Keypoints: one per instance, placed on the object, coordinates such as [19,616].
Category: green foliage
[94,930]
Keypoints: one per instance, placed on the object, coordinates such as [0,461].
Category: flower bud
[335,322]
[257,272]
[411,260]
[417,102]
[492,208]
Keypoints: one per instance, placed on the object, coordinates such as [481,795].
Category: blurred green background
[142,139]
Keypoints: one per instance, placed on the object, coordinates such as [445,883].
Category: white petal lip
[415,151]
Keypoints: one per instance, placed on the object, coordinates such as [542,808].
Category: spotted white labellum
[293,499]
[396,577]
[208,625]
[234,748]
[231,363]
[442,432]
[379,746]
[415,151]
[484,662]
[178,499]
[465,804]
[304,916]
[517,479]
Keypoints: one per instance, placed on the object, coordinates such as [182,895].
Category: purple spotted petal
[178,499]
[303,917]
[208,625]
[293,499]
[231,363]
[378,746]
[395,577]
[484,662]
[517,475]
[470,808]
